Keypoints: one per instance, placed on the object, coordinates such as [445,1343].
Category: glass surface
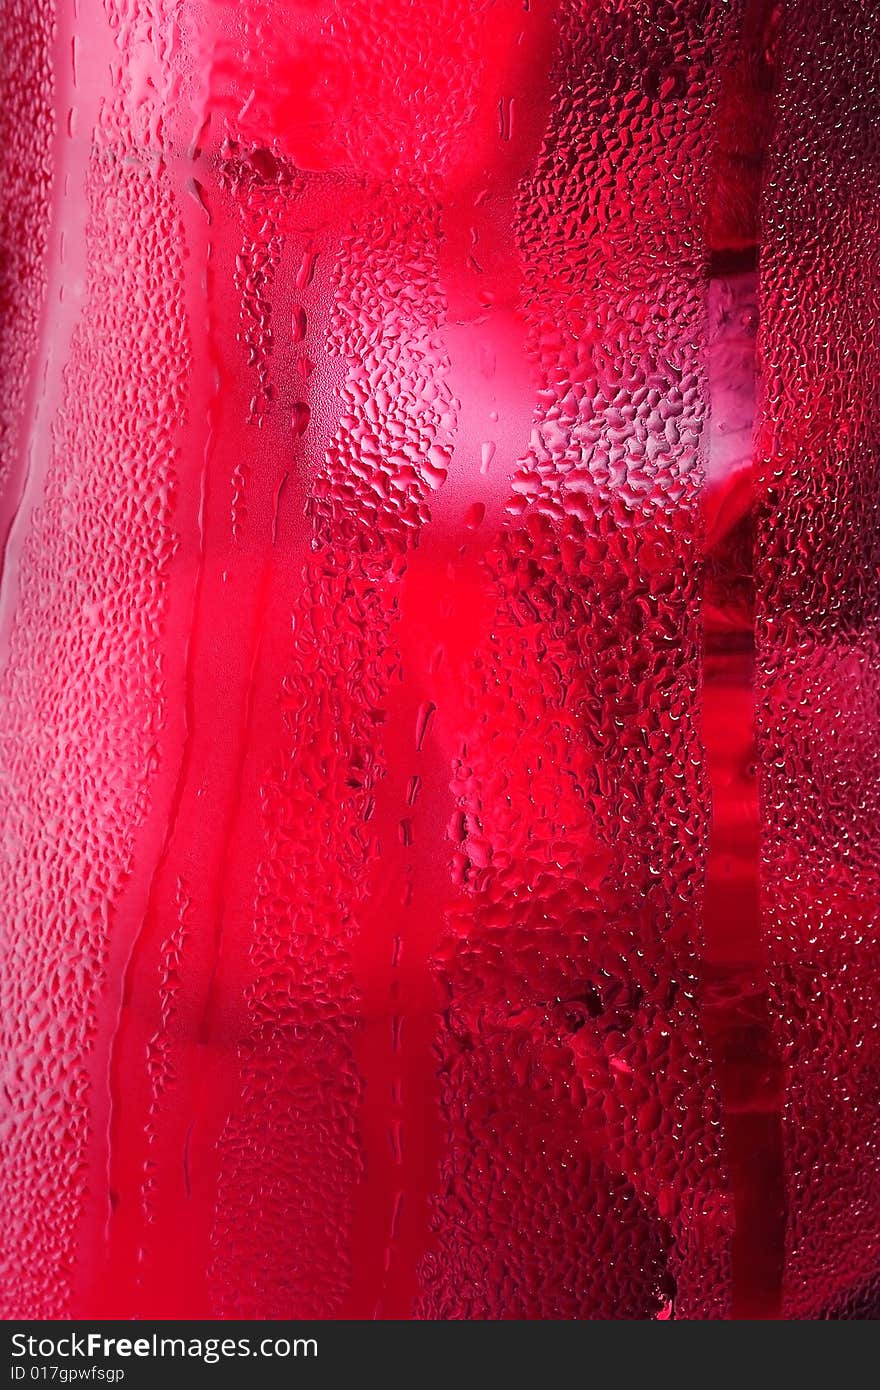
[440,680]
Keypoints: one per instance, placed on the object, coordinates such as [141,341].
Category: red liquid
[440,686]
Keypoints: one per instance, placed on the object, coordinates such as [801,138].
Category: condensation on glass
[440,680]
